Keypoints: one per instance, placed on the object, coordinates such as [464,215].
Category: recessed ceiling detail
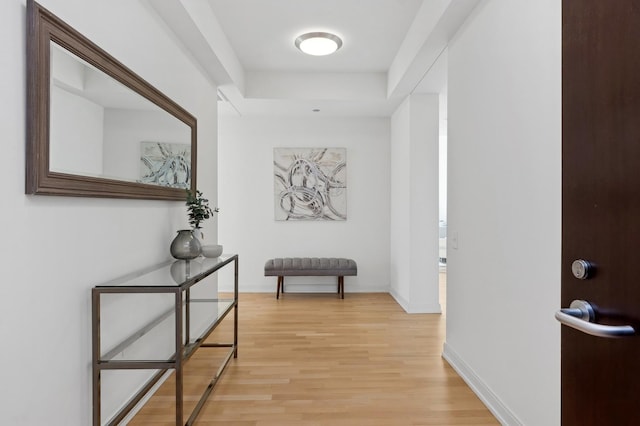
[318,43]
[391,51]
[262,33]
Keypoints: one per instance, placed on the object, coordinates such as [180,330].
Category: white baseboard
[433,308]
[401,300]
[303,288]
[430,308]
[486,395]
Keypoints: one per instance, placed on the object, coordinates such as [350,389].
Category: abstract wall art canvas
[165,164]
[310,183]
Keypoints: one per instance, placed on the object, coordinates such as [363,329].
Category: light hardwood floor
[314,359]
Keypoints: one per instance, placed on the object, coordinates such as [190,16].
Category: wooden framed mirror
[94,127]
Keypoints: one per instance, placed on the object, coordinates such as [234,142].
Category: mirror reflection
[101,128]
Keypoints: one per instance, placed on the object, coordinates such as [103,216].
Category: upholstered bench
[310,266]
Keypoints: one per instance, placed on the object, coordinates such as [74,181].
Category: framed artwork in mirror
[166,164]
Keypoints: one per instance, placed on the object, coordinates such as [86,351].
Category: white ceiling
[246,47]
[262,32]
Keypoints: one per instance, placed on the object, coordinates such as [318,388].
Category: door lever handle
[580,315]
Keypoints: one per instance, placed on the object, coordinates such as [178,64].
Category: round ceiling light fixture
[318,43]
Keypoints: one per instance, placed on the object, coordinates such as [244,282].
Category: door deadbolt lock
[582,269]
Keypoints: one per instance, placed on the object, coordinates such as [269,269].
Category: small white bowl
[211,250]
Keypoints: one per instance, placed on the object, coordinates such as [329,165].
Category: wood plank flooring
[314,359]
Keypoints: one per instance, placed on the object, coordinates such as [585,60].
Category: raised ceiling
[246,47]
[262,32]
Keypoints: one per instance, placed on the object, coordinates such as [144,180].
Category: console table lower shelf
[177,279]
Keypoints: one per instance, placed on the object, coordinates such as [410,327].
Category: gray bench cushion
[310,266]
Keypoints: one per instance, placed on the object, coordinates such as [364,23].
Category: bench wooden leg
[280,286]
[341,287]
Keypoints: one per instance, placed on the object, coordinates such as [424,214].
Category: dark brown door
[601,209]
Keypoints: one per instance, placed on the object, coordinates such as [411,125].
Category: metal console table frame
[159,279]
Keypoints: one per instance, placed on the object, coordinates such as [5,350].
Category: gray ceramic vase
[185,246]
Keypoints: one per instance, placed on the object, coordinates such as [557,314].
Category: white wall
[400,226]
[56,248]
[442,158]
[414,204]
[246,200]
[503,282]
[76,139]
[76,123]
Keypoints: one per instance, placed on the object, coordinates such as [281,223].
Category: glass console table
[175,278]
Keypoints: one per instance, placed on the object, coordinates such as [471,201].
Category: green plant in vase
[198,210]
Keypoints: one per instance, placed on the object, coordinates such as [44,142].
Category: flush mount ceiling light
[318,43]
